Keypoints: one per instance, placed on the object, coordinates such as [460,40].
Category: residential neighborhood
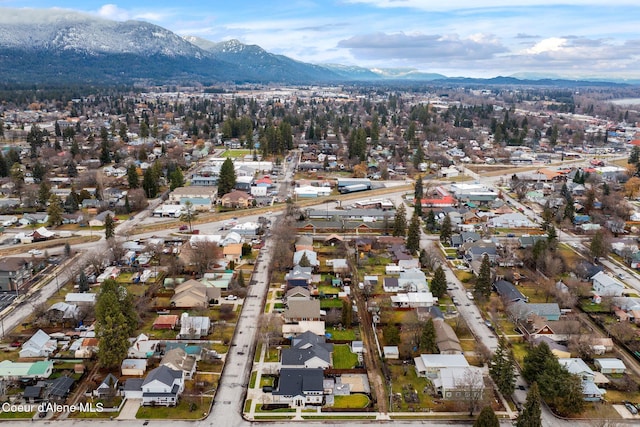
[405,267]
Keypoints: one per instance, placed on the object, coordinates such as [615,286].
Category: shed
[610,365]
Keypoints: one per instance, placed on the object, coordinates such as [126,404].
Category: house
[39,345]
[142,347]
[61,312]
[108,387]
[610,365]
[297,293]
[300,387]
[413,280]
[528,241]
[201,198]
[10,370]
[558,350]
[511,220]
[391,352]
[178,359]
[605,285]
[298,310]
[194,327]
[133,367]
[521,311]
[578,367]
[60,388]
[315,326]
[446,338]
[165,321]
[413,300]
[80,299]
[459,383]
[428,365]
[232,252]
[307,351]
[162,386]
[15,272]
[390,284]
[475,252]
[236,199]
[34,393]
[559,331]
[458,240]
[304,243]
[339,265]
[311,256]
[194,294]
[508,292]
[99,220]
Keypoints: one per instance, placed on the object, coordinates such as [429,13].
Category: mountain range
[62,47]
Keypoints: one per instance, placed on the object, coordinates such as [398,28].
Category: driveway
[130,409]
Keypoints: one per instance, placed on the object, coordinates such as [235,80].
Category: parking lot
[6,298]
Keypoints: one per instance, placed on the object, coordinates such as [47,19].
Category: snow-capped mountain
[61,30]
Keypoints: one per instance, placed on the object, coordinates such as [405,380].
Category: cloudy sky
[474,38]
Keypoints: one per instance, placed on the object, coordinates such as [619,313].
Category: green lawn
[252,381]
[343,358]
[266,380]
[330,303]
[344,334]
[328,290]
[15,415]
[236,153]
[185,410]
[404,378]
[351,401]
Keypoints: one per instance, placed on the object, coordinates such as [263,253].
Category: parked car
[183,228]
[631,408]
[231,298]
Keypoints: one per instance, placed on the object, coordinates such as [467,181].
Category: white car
[35,252]
[231,298]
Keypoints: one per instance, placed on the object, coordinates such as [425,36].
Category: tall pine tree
[413,236]
[502,368]
[400,222]
[531,415]
[227,178]
[483,281]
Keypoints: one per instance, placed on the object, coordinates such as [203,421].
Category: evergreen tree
[132,176]
[44,192]
[418,157]
[54,211]
[109,227]
[75,148]
[502,368]
[413,236]
[4,167]
[535,362]
[72,170]
[439,283]
[304,260]
[552,238]
[431,221]
[531,415]
[487,418]
[116,321]
[176,179]
[150,183]
[227,178]
[483,281]
[400,222]
[419,188]
[83,282]
[634,157]
[71,202]
[347,314]
[417,207]
[428,338]
[445,230]
[105,153]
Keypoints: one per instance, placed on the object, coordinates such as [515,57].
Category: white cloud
[552,44]
[112,11]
